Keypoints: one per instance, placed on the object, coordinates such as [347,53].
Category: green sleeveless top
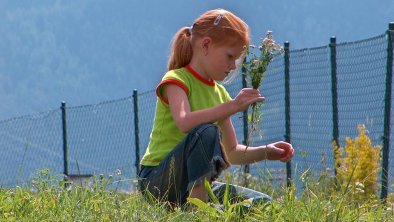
[165,134]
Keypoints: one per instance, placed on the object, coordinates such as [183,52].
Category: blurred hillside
[89,51]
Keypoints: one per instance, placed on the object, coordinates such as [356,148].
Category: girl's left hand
[280,151]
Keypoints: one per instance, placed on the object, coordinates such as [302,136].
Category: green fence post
[387,112]
[136,131]
[65,145]
[334,94]
[245,118]
[287,107]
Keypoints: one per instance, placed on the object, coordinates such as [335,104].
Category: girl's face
[221,60]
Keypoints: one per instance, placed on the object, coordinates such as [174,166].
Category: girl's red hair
[222,26]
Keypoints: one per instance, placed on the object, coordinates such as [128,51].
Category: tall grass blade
[208,188]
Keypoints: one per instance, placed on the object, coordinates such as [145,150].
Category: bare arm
[186,120]
[238,154]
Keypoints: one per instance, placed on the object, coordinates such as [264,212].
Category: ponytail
[181,49]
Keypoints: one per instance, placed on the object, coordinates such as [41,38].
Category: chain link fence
[332,89]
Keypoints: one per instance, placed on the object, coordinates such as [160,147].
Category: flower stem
[254,121]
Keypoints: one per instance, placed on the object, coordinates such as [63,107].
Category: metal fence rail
[314,96]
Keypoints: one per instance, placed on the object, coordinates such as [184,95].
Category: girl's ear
[206,43]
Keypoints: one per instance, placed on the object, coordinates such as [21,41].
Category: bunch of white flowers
[255,67]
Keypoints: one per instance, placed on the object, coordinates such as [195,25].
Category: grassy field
[49,198]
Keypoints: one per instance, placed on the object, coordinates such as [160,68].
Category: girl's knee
[207,131]
[209,141]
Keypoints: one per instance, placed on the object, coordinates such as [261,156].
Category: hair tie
[190,29]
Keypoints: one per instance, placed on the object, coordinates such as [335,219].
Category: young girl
[193,138]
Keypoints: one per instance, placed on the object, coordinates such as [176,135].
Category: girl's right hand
[246,97]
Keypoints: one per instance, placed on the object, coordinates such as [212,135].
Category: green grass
[51,199]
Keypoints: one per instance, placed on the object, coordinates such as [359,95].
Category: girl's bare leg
[199,192]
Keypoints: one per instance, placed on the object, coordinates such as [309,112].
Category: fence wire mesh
[311,109]
[101,137]
[147,106]
[361,86]
[29,144]
[390,149]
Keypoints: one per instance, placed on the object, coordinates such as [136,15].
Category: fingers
[286,158]
[279,151]
[288,151]
[257,99]
[250,91]
[284,150]
[248,96]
